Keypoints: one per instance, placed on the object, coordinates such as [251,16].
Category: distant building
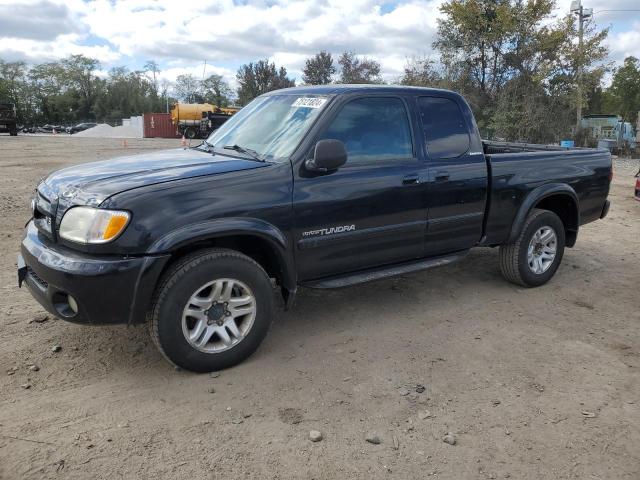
[609,129]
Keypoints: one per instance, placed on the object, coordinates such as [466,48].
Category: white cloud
[626,44]
[226,33]
[33,51]
[223,31]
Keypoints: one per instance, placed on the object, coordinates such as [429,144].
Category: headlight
[92,225]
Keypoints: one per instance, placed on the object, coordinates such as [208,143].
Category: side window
[373,129]
[445,131]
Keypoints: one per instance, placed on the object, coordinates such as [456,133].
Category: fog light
[65,304]
[72,304]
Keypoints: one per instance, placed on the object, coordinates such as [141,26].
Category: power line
[630,10]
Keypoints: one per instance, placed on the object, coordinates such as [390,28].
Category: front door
[371,211]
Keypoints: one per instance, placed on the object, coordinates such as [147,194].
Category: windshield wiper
[252,153]
[208,146]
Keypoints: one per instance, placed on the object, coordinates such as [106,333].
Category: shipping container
[158,125]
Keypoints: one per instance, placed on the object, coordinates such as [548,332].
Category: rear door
[371,210]
[457,180]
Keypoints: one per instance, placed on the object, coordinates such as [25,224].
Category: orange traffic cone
[183,142]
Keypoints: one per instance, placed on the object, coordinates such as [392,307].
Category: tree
[254,79]
[513,61]
[14,87]
[56,95]
[12,75]
[50,93]
[319,70]
[79,74]
[125,94]
[623,96]
[526,111]
[68,91]
[187,88]
[165,85]
[216,90]
[583,64]
[356,70]
[152,68]
[420,72]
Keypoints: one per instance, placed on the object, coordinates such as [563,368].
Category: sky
[182,36]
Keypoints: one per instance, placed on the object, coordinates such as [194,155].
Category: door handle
[442,176]
[410,180]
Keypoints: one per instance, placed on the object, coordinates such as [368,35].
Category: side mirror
[329,155]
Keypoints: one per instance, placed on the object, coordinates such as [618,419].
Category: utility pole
[583,14]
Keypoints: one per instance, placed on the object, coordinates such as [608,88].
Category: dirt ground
[535,384]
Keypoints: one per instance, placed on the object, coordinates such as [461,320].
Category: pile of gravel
[104,130]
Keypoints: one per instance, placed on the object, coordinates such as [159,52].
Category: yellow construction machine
[198,120]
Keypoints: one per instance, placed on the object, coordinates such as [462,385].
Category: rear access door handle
[442,176]
[410,180]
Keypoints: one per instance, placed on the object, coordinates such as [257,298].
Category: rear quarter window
[445,132]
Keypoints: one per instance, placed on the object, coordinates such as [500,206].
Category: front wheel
[536,254]
[212,310]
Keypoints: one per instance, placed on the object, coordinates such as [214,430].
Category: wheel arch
[560,199]
[259,240]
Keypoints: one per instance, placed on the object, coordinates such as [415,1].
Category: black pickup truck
[320,187]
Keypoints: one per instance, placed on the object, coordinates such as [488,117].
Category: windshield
[271,126]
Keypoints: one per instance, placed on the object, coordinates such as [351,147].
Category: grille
[36,278]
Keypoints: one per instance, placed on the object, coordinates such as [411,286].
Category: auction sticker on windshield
[309,102]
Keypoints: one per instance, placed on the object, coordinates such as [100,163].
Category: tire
[171,322]
[514,257]
[190,133]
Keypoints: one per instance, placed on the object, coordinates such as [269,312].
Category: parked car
[48,128]
[320,187]
[80,127]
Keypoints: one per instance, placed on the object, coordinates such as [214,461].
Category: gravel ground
[532,384]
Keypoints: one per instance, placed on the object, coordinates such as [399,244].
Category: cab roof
[338,89]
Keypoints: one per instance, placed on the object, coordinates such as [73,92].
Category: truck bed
[516,169]
[493,147]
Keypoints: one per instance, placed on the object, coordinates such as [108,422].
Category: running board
[378,273]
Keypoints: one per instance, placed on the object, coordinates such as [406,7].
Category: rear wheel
[190,133]
[536,254]
[212,310]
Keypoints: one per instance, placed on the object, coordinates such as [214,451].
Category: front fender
[228,227]
[537,194]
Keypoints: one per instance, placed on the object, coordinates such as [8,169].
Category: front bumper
[103,289]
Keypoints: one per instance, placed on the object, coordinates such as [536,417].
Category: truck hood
[92,183]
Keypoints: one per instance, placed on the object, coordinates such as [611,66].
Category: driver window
[373,129]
